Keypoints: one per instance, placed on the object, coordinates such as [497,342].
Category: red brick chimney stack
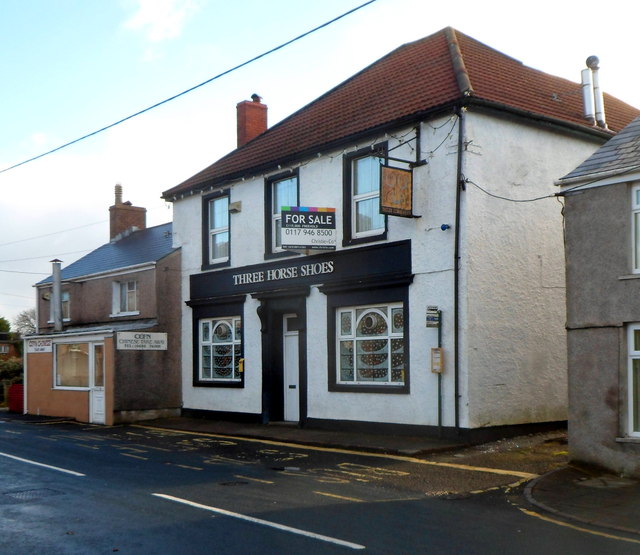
[252,119]
[125,218]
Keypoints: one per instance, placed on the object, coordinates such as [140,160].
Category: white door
[96,392]
[291,370]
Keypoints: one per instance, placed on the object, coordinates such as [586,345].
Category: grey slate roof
[617,156]
[140,247]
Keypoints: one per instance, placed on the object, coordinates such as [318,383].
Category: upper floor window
[363,220]
[4,349]
[65,301]
[635,227]
[280,191]
[125,297]
[216,229]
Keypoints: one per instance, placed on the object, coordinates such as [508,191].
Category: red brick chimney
[124,217]
[252,119]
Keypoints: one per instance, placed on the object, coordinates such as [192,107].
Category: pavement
[584,495]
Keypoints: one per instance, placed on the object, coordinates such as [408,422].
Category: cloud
[161,20]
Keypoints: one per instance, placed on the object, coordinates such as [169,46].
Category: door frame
[97,393]
[288,376]
[273,307]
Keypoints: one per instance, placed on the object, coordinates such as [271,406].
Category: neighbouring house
[390,256]
[9,346]
[602,243]
[107,348]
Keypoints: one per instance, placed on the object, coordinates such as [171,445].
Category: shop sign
[39,345]
[141,341]
[308,228]
[366,263]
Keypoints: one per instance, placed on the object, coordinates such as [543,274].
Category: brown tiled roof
[426,76]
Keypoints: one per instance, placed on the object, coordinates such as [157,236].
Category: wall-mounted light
[235,207]
[444,227]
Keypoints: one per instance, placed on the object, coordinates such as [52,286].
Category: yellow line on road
[578,528]
[402,458]
[253,479]
[339,496]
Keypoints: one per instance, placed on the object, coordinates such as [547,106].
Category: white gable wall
[514,267]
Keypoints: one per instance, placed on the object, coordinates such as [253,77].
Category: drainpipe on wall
[460,186]
[56,298]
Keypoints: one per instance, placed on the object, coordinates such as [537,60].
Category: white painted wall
[514,262]
[512,343]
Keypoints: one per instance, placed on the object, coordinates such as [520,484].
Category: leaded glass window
[371,345]
[220,349]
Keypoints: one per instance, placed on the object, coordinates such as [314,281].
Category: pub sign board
[308,228]
[396,192]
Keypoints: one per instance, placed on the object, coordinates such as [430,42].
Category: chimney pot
[124,217]
[252,119]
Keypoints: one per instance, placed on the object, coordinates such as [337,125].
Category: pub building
[342,268]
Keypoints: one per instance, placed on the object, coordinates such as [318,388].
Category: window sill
[628,440]
[232,384]
[121,314]
[629,276]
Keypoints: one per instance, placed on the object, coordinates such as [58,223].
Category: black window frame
[206,264]
[348,233]
[358,295]
[220,309]
[269,253]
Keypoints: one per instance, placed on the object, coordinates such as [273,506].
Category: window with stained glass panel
[371,347]
[220,349]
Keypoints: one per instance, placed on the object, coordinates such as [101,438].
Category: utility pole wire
[140,112]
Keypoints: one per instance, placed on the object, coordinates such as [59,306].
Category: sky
[72,67]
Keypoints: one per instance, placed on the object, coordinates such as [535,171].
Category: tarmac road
[151,489]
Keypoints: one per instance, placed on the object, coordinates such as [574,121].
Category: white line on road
[72,472]
[262,522]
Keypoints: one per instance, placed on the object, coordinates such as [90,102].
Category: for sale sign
[308,228]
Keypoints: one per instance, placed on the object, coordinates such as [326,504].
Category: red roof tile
[438,72]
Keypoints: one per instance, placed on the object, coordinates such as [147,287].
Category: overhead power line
[226,72]
[50,234]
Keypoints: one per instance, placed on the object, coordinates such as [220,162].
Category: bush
[11,370]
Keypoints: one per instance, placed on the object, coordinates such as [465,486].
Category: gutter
[594,177]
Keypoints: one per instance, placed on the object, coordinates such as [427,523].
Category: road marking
[12,432]
[185,466]
[578,528]
[261,522]
[253,479]
[402,458]
[41,464]
[333,495]
[135,456]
